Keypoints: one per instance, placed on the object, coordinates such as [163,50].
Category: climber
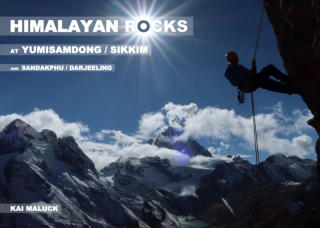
[249,80]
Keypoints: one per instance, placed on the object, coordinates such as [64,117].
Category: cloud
[175,114]
[223,128]
[103,147]
[150,123]
[302,145]
[218,149]
[277,132]
[48,119]
[300,119]
[103,154]
[117,137]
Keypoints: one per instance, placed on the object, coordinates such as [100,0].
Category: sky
[114,113]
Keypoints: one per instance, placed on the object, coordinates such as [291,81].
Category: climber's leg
[272,85]
[269,70]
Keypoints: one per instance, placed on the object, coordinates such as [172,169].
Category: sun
[144,32]
[144,13]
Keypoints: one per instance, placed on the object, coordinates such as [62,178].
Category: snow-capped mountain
[243,186]
[168,139]
[133,192]
[39,167]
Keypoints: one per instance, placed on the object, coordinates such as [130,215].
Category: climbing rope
[256,145]
[259,32]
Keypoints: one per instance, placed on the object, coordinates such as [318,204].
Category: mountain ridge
[130,192]
[169,139]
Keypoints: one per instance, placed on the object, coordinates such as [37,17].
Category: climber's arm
[254,67]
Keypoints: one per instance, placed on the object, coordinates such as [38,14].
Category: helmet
[232,56]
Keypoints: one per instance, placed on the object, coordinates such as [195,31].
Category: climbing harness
[241,96]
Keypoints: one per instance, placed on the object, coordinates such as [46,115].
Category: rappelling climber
[248,81]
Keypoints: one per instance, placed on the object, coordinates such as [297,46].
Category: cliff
[296,24]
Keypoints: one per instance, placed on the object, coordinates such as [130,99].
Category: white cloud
[222,147]
[302,145]
[213,122]
[117,136]
[48,119]
[177,113]
[212,149]
[150,123]
[103,154]
[301,118]
[278,133]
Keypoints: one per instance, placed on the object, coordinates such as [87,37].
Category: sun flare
[144,13]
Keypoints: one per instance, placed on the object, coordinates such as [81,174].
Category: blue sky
[118,100]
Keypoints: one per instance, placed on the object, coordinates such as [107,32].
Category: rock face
[235,184]
[193,190]
[39,167]
[15,137]
[297,28]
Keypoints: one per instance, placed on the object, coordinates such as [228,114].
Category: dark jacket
[236,74]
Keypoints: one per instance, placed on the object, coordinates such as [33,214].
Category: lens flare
[144,14]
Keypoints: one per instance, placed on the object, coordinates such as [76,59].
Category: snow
[36,174]
[17,134]
[159,173]
[188,191]
[119,192]
[280,167]
[291,183]
[227,205]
